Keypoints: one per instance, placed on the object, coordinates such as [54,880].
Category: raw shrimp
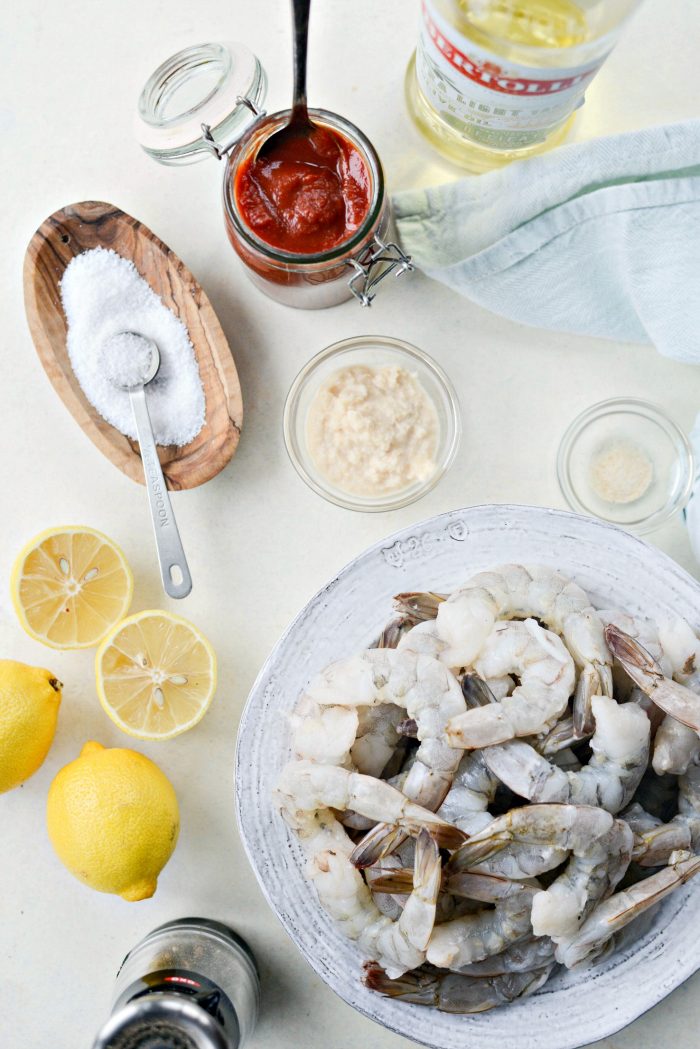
[622,908]
[534,952]
[547,677]
[467,617]
[474,937]
[456,992]
[323,734]
[646,672]
[655,840]
[676,745]
[590,875]
[601,848]
[620,755]
[472,791]
[397,945]
[376,738]
[423,687]
[305,786]
[531,840]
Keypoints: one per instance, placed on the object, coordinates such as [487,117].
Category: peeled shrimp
[397,945]
[622,908]
[547,677]
[423,687]
[467,617]
[429,694]
[489,931]
[455,992]
[620,755]
[323,734]
[645,671]
[590,875]
[472,791]
[655,841]
[534,952]
[676,745]
[534,839]
[305,786]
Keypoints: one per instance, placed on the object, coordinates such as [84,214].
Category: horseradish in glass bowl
[371,423]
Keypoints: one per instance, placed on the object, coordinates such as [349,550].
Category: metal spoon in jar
[300,125]
[142,369]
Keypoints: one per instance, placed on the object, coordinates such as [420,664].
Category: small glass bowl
[375,351]
[663,456]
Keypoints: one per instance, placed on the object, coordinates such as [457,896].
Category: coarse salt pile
[103,294]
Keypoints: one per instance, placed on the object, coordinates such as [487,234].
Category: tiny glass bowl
[624,461]
[373,351]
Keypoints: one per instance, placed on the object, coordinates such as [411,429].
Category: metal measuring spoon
[177,581]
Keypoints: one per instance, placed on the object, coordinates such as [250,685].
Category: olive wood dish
[91,224]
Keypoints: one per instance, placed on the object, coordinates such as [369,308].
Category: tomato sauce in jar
[309,196]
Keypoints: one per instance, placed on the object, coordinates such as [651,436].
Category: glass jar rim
[214,85]
[272,254]
[652,413]
[395,500]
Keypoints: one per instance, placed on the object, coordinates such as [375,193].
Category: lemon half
[156,675]
[69,586]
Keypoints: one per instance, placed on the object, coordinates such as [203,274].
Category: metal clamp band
[374,265]
[210,143]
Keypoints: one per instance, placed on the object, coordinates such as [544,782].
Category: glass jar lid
[215,86]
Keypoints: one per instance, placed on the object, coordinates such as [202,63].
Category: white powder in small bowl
[620,472]
[103,294]
[372,431]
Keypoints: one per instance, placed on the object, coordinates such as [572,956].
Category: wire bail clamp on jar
[381,257]
[210,144]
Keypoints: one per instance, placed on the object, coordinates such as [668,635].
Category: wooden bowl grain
[91,224]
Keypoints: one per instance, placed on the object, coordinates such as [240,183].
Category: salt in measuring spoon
[177,581]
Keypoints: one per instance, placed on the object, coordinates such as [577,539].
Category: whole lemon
[113,820]
[29,702]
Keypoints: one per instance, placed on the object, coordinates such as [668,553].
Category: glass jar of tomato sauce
[207,100]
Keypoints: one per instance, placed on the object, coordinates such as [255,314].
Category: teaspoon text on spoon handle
[300,16]
[177,581]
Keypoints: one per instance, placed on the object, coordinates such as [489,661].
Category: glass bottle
[190,984]
[495,80]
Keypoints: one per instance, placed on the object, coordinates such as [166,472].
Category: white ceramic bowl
[617,569]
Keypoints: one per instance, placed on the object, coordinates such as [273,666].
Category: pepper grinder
[190,984]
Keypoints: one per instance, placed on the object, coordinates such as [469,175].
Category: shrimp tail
[589,684]
[418,607]
[397,882]
[476,692]
[420,988]
[427,870]
[674,698]
[638,663]
[381,841]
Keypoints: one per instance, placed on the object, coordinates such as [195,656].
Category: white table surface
[259,542]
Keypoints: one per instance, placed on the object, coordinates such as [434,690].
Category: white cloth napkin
[599,238]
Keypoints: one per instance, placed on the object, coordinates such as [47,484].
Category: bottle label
[474,89]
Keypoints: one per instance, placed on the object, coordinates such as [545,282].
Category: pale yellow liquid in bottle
[509,29]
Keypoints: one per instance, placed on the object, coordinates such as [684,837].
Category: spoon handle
[300,17]
[177,581]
